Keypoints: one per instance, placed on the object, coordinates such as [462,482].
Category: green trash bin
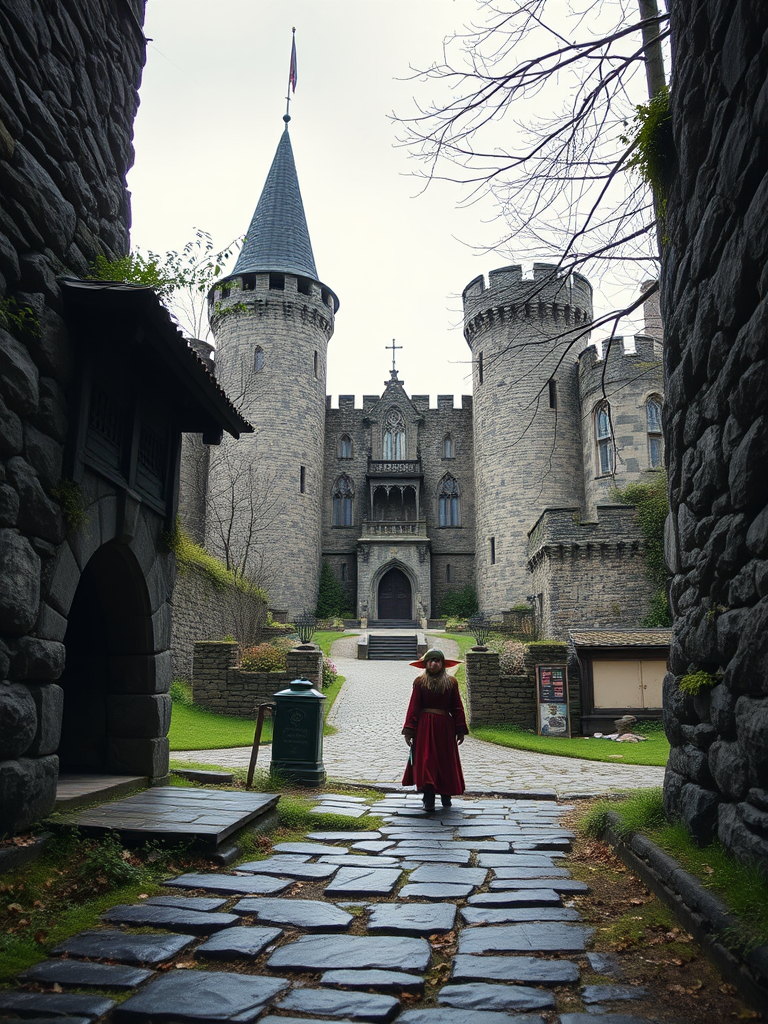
[297,734]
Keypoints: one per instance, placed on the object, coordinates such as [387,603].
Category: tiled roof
[278,238]
[621,637]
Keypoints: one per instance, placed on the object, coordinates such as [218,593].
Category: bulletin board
[553,716]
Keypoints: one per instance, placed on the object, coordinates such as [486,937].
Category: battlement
[548,295]
[420,402]
[242,287]
[600,364]
[562,530]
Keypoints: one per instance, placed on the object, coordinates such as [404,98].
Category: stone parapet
[493,698]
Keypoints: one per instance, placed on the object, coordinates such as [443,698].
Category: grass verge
[654,751]
[743,889]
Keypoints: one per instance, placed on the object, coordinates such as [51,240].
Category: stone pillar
[482,686]
[211,662]
[306,662]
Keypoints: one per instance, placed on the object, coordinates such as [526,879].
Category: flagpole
[291,77]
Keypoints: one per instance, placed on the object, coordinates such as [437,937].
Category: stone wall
[715,304]
[588,574]
[221,685]
[205,611]
[70,73]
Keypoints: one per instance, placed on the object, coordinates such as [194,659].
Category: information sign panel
[552,711]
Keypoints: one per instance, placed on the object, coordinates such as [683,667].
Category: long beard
[437,684]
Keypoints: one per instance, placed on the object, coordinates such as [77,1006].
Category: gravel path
[368,747]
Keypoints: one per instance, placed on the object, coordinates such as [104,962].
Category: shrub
[511,657]
[181,693]
[329,673]
[331,597]
[264,658]
[460,604]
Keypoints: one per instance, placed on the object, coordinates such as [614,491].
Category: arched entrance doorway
[109,619]
[395,596]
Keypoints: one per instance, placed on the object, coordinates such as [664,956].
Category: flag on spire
[292,74]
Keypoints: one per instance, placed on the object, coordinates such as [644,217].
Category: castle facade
[512,492]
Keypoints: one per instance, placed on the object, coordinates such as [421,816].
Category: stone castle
[510,493]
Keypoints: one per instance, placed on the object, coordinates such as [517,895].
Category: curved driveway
[368,747]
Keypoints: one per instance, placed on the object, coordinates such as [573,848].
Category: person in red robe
[434,726]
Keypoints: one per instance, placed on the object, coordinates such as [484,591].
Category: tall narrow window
[394,435]
[552,393]
[343,572]
[448,501]
[447,572]
[655,436]
[480,368]
[345,447]
[343,493]
[303,480]
[493,551]
[258,358]
[604,439]
[447,447]
[315,364]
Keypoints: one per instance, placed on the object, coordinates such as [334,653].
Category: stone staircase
[392,648]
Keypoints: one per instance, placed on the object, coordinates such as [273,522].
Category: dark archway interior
[397,506]
[110,616]
[395,595]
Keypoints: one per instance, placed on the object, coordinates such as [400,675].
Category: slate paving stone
[309,915]
[86,975]
[512,915]
[516,898]
[495,997]
[195,995]
[564,886]
[435,891]
[45,1020]
[282,866]
[412,918]
[238,885]
[343,798]
[358,860]
[54,1004]
[186,902]
[352,952]
[372,846]
[522,969]
[336,1003]
[194,922]
[538,873]
[436,857]
[311,849]
[363,882]
[111,944]
[240,942]
[345,812]
[342,837]
[448,874]
[452,1015]
[603,1018]
[605,963]
[593,994]
[383,981]
[514,860]
[545,937]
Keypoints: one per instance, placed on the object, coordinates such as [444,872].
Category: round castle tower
[272,319]
[524,336]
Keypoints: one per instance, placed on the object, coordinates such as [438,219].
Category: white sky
[212,100]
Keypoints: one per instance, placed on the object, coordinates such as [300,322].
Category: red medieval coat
[435,755]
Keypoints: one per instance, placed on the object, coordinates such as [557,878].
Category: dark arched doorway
[109,620]
[395,597]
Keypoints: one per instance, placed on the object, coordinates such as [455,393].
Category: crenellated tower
[272,318]
[524,335]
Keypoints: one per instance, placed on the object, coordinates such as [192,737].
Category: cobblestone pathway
[367,746]
[479,931]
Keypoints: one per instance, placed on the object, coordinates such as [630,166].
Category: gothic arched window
[448,501]
[655,436]
[448,447]
[258,358]
[345,447]
[343,493]
[394,435]
[604,439]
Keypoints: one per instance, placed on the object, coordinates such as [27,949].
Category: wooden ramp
[204,817]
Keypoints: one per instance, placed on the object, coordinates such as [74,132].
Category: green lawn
[194,728]
[655,750]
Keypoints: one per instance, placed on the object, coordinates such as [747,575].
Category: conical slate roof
[278,239]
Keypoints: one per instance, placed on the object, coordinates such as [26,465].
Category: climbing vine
[651,508]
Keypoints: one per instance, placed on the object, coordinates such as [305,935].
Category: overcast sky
[212,100]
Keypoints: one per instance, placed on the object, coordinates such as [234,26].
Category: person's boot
[445,801]
[428,799]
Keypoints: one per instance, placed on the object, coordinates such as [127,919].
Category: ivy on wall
[651,508]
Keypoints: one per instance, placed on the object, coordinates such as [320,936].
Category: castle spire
[278,237]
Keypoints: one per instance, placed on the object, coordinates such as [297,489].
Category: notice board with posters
[552,711]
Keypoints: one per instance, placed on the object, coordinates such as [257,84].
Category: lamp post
[479,626]
[305,624]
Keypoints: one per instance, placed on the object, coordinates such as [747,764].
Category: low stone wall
[203,611]
[221,685]
[493,698]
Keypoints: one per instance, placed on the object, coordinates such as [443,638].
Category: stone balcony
[374,529]
[394,467]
